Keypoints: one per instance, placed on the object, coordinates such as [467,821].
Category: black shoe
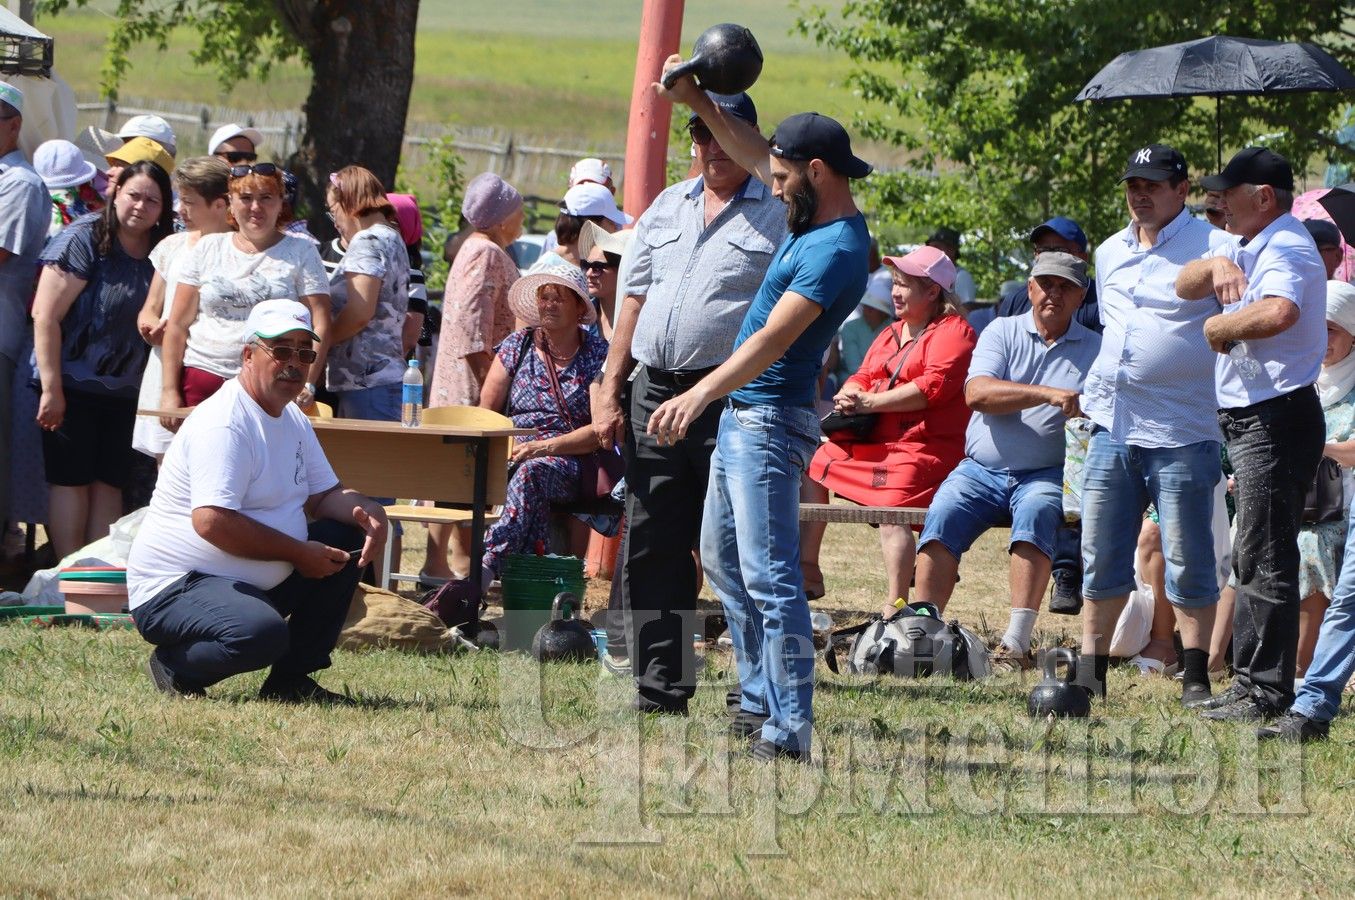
[747,725]
[1065,595]
[1248,709]
[734,700]
[1192,695]
[1295,727]
[645,705]
[166,683]
[766,751]
[300,689]
[1234,693]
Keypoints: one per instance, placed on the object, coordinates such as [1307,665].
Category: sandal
[1147,666]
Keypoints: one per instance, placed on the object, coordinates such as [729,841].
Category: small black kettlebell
[725,59]
[1063,699]
[564,638]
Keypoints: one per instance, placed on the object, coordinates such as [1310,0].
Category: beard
[801,207]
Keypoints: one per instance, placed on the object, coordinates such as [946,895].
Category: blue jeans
[207,628]
[373,404]
[1334,656]
[750,548]
[974,498]
[1120,480]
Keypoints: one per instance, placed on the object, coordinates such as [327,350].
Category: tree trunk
[361,54]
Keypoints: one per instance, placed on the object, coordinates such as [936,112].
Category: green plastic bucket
[530,584]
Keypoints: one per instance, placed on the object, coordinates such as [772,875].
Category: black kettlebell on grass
[564,638]
[725,59]
[1064,698]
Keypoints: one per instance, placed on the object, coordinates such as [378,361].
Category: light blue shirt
[1281,261]
[25,214]
[697,280]
[1152,384]
[1011,349]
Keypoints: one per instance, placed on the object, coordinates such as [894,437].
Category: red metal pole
[647,132]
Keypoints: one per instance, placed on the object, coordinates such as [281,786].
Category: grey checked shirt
[697,281]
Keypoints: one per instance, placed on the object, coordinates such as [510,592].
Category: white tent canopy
[25,62]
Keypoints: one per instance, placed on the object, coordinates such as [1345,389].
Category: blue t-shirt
[101,350]
[826,264]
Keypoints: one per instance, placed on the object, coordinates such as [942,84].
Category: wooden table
[463,466]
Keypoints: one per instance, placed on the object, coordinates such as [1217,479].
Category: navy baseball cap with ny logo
[1156,162]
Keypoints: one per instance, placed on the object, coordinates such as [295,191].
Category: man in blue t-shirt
[768,431]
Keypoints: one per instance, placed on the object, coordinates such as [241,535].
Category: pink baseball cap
[926,262]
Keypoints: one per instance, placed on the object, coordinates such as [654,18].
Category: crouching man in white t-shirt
[243,559]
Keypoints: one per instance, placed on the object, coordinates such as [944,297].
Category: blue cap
[739,104]
[1065,228]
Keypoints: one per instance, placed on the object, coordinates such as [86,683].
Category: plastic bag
[1076,435]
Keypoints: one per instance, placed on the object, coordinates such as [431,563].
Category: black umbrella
[1215,66]
[1339,202]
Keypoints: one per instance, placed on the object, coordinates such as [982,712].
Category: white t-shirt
[231,282]
[232,454]
[169,258]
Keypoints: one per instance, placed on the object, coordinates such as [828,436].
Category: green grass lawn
[452,777]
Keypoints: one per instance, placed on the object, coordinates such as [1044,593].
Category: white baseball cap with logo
[590,169]
[589,199]
[153,127]
[232,130]
[13,96]
[273,318]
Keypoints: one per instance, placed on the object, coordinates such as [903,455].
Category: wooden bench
[864,515]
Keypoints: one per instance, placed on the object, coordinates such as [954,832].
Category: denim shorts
[974,498]
[1120,481]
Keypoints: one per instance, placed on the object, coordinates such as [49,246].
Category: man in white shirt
[1270,339]
[249,552]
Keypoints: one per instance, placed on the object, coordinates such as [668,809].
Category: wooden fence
[528,161]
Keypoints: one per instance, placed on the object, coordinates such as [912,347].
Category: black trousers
[667,490]
[1274,446]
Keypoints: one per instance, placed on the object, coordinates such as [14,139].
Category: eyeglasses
[601,265]
[237,156]
[284,354]
[700,133]
[257,169]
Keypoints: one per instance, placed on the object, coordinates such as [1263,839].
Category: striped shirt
[1152,384]
[697,282]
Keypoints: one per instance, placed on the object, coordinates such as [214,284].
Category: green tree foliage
[981,92]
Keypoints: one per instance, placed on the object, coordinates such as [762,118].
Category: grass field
[450,778]
[545,69]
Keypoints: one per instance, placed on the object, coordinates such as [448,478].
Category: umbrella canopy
[1218,66]
[1308,205]
[1339,202]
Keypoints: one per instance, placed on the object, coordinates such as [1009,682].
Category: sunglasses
[257,169]
[700,134]
[284,354]
[238,156]
[601,265]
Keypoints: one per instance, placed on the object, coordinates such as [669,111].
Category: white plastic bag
[1076,435]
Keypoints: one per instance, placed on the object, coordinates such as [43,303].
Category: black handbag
[861,424]
[1326,497]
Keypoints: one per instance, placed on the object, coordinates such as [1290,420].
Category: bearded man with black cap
[768,427]
[1270,338]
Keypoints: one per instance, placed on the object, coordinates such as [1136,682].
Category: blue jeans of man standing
[750,548]
[1334,656]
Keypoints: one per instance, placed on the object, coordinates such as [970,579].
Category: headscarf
[1337,380]
[489,200]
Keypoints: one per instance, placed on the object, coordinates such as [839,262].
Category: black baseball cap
[1324,233]
[806,136]
[944,235]
[1155,162]
[739,105]
[1252,165]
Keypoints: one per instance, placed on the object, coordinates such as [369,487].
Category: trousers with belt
[667,490]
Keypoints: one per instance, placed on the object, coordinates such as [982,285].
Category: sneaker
[1248,709]
[300,689]
[1293,726]
[1005,659]
[1192,695]
[734,700]
[617,665]
[765,751]
[1234,693]
[1065,593]
[166,683]
[747,725]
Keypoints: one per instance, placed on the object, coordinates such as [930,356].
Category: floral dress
[537,483]
[475,318]
[1321,546]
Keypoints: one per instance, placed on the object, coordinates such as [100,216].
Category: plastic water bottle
[411,396]
[1247,365]
[821,621]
